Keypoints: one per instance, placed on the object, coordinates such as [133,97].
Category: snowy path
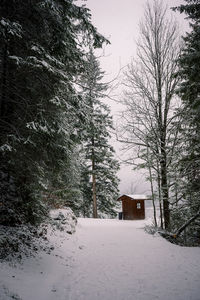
[118,260]
[106,260]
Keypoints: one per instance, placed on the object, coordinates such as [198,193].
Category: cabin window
[138,205]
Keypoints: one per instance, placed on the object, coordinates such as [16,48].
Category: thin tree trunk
[163,160]
[94,195]
[152,191]
[164,188]
[153,200]
[162,117]
[176,190]
[160,195]
[184,226]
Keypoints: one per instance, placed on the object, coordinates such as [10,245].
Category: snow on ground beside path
[120,261]
[107,260]
[38,277]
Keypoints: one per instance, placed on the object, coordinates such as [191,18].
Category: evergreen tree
[100,165]
[41,54]
[189,157]
[189,91]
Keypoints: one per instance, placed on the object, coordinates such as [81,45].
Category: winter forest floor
[106,260]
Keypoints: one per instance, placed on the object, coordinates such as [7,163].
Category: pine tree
[41,55]
[189,91]
[100,165]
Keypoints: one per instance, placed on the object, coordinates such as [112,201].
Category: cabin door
[128,209]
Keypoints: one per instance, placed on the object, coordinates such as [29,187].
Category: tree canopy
[43,44]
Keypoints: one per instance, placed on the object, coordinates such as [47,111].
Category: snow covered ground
[106,260]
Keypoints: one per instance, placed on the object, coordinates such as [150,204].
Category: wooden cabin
[133,207]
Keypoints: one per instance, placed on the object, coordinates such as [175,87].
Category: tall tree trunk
[164,187]
[162,117]
[160,195]
[152,190]
[153,199]
[176,189]
[94,194]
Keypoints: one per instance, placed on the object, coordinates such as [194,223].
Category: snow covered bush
[27,240]
[22,240]
[151,229]
[63,220]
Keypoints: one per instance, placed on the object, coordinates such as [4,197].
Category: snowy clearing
[106,259]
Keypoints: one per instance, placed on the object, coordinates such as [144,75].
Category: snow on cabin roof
[137,197]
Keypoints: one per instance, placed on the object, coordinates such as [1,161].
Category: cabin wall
[133,209]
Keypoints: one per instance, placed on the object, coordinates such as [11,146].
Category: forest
[56,124]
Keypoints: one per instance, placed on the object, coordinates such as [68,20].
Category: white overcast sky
[119,21]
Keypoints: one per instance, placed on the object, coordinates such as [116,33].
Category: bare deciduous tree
[149,119]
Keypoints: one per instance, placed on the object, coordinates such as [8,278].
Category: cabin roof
[135,197]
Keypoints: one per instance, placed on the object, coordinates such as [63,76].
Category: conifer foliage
[100,165]
[41,54]
[189,91]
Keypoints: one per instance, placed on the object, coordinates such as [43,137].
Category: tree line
[160,123]
[54,126]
